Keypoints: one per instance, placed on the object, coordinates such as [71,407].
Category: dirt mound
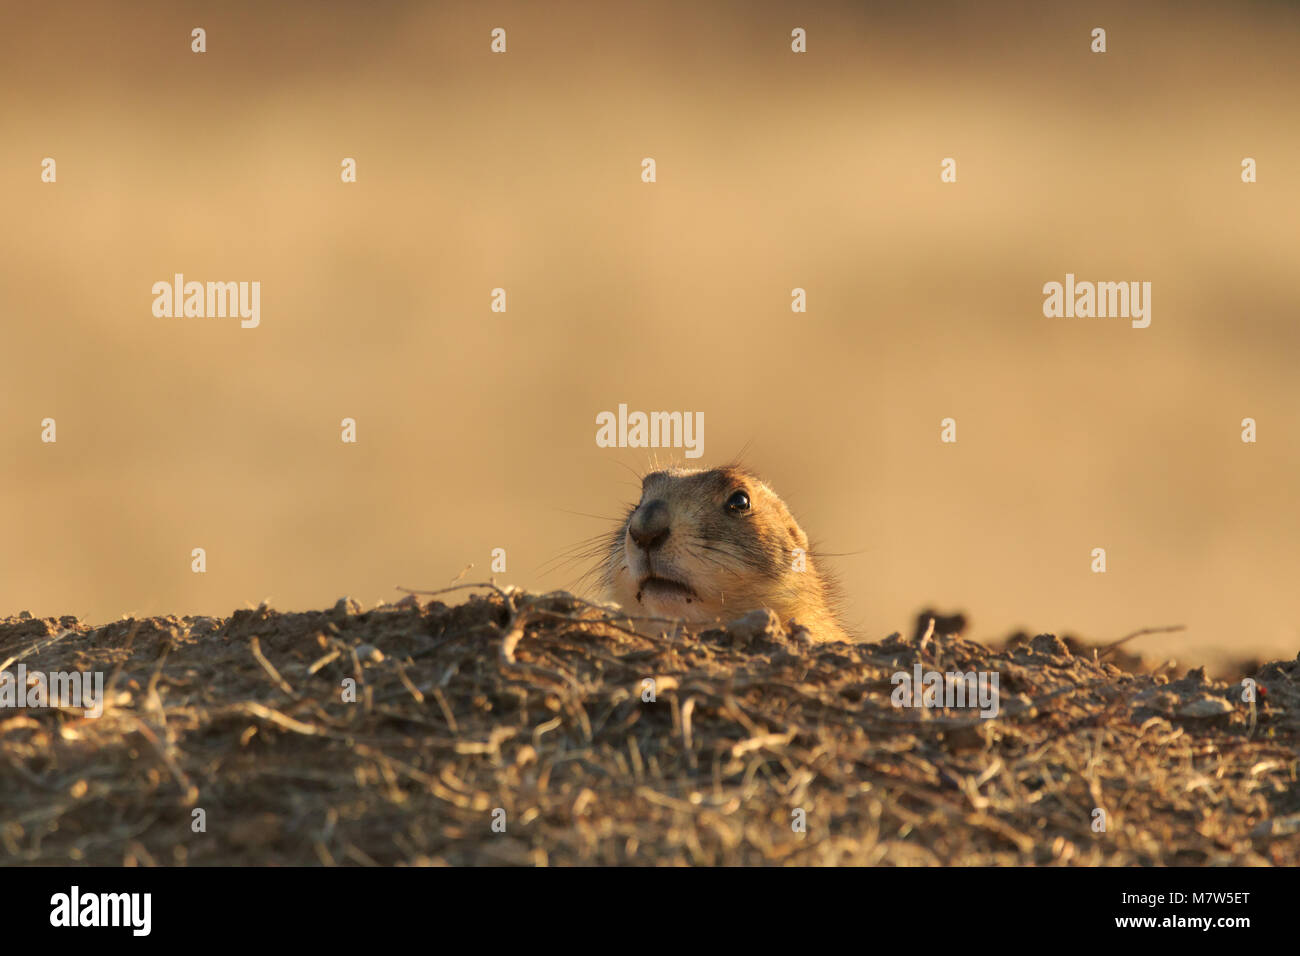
[519,728]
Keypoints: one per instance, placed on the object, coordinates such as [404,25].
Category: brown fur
[722,562]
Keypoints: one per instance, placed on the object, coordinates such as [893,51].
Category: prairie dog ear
[798,537]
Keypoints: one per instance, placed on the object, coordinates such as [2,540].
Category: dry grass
[533,704]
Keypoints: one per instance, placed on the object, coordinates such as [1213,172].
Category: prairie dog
[709,545]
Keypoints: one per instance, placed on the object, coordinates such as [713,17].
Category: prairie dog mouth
[654,586]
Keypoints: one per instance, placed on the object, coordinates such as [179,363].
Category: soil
[516,728]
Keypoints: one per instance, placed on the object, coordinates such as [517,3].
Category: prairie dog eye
[739,501]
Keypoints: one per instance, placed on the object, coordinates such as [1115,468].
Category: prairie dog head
[702,546]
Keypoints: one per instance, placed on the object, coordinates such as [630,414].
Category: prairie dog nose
[649,526]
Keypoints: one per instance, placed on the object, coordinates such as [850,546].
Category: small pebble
[368,652]
[347,605]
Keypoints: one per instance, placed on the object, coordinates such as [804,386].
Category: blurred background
[775,170]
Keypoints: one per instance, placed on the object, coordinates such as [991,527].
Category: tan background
[775,171]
